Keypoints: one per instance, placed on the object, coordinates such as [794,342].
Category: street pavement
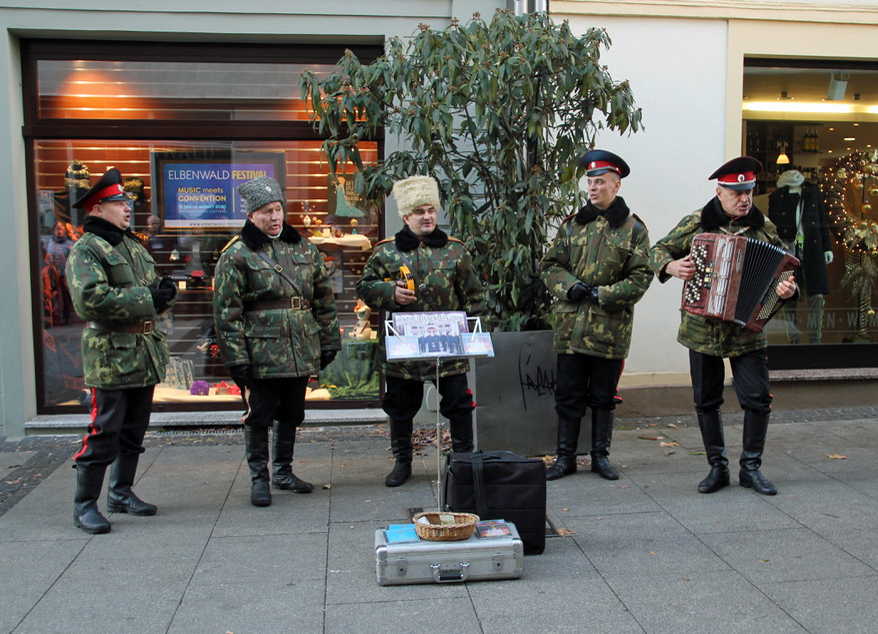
[646,553]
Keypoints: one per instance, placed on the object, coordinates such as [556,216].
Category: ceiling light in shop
[801,106]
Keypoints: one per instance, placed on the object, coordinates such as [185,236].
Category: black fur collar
[406,240]
[616,214]
[255,238]
[106,230]
[713,217]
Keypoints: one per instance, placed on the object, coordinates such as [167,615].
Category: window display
[187,247]
[814,126]
[186,125]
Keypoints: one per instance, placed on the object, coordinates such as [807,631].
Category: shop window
[158,121]
[817,122]
[186,243]
[98,89]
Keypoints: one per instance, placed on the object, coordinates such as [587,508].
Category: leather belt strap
[294,303]
[144,328]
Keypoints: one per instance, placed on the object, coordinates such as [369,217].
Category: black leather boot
[568,439]
[120,497]
[86,515]
[601,436]
[462,433]
[711,425]
[284,445]
[755,429]
[256,441]
[401,445]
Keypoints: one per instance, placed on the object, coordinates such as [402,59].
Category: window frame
[37,128]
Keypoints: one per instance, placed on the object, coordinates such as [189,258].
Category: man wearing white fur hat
[442,269]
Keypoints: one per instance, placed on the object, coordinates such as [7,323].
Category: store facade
[169,94]
[718,81]
[186,103]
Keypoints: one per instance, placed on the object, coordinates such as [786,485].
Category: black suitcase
[500,485]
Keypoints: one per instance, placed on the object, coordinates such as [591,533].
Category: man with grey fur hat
[445,280]
[276,325]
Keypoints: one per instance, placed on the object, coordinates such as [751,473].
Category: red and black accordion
[736,279]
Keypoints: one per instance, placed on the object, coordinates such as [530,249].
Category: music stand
[436,336]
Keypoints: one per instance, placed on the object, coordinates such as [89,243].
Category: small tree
[499,113]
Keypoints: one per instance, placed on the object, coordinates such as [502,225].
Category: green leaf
[499,112]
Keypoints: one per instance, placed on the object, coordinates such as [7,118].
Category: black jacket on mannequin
[782,205]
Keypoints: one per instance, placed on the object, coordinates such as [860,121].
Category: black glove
[240,375]
[169,284]
[162,296]
[579,292]
[326,358]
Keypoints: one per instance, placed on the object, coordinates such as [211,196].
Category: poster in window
[199,188]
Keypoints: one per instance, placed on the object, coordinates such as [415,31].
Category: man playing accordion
[710,340]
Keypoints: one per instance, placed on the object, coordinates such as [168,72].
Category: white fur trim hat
[415,191]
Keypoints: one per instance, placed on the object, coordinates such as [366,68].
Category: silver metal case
[473,559]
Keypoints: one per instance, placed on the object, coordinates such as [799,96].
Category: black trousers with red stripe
[119,419]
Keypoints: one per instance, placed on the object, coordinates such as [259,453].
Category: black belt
[294,303]
[144,328]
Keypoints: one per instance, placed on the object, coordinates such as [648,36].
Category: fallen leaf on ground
[672,426]
[646,437]
[836,456]
[564,532]
[669,444]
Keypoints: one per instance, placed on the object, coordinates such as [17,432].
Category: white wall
[16,331]
[677,73]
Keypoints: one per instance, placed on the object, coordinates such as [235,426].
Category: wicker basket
[463,527]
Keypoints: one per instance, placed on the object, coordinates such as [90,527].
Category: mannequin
[797,208]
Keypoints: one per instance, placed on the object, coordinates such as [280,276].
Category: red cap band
[605,165]
[737,178]
[113,190]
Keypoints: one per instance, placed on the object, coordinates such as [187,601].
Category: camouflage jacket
[609,250]
[108,271]
[704,334]
[278,342]
[444,266]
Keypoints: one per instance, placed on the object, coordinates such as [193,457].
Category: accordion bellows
[736,279]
